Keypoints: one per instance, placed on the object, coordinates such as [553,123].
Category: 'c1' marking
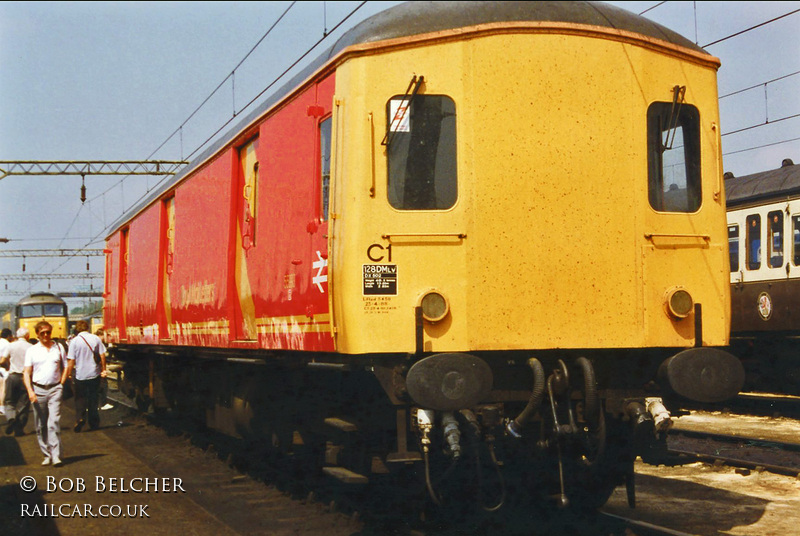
[378,256]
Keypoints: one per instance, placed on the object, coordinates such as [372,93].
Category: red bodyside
[110,290]
[198,285]
[217,262]
[141,293]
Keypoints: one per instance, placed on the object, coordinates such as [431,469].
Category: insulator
[83,189]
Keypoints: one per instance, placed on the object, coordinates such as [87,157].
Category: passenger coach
[764,238]
[497,220]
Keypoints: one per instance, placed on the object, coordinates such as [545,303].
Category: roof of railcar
[766,186]
[416,18]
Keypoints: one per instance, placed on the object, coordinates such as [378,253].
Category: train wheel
[594,480]
[605,459]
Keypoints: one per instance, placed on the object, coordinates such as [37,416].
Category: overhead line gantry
[89,167]
[51,253]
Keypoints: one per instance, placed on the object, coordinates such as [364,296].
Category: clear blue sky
[112,81]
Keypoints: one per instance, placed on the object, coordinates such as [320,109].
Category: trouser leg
[92,393]
[8,399]
[54,421]
[40,412]
[81,402]
[17,404]
[23,409]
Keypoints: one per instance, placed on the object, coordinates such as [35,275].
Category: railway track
[258,496]
[746,453]
[758,404]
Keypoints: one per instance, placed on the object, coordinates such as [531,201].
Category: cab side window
[673,140]
[421,152]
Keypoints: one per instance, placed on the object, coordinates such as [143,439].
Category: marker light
[679,303]
[434,306]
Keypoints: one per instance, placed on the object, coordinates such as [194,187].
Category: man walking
[87,355]
[44,376]
[16,400]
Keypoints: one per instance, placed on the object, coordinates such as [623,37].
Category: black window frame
[325,134]
[753,242]
[668,199]
[733,246]
[775,249]
[431,160]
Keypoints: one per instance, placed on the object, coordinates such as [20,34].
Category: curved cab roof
[417,18]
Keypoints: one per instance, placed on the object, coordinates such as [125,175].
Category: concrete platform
[101,489]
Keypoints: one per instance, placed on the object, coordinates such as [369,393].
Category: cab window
[753,242]
[673,138]
[30,311]
[733,246]
[421,152]
[54,309]
[775,239]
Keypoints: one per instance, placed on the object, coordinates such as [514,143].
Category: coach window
[248,161]
[421,152]
[673,139]
[753,250]
[325,164]
[733,246]
[775,239]
[796,240]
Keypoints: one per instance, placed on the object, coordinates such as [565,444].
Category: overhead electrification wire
[271,84]
[205,101]
[327,33]
[764,84]
[179,130]
[760,146]
[258,96]
[768,122]
[652,8]
[223,81]
[759,85]
[751,28]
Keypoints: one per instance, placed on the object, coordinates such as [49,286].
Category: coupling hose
[535,400]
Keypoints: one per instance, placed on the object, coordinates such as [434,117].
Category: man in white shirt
[16,400]
[87,355]
[44,376]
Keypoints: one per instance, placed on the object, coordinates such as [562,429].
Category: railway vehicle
[40,306]
[484,231]
[764,237]
[95,322]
